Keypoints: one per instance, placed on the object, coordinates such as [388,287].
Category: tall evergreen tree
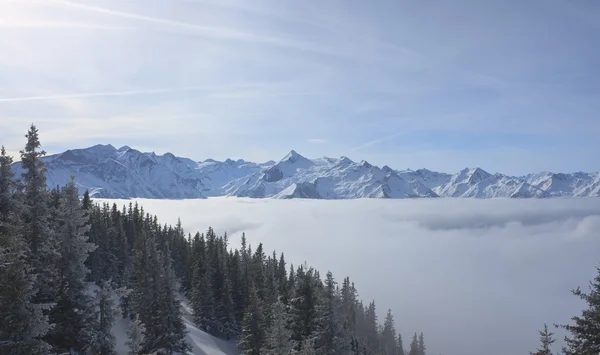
[135,336]
[72,312]
[23,324]
[303,306]
[389,343]
[371,330]
[102,339]
[422,347]
[252,338]
[278,336]
[43,254]
[414,346]
[546,340]
[585,333]
[400,348]
[330,338]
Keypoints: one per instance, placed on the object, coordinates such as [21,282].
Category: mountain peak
[292,157]
[124,148]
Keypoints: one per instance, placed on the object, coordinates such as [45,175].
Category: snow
[201,342]
[128,173]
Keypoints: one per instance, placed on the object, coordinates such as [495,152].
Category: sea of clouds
[476,276]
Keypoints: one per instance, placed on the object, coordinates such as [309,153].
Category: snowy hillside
[201,342]
[128,173]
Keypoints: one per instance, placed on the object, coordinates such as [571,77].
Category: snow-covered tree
[278,336]
[72,313]
[43,253]
[252,338]
[135,336]
[329,335]
[102,340]
[23,324]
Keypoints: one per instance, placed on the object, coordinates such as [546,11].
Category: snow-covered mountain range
[128,173]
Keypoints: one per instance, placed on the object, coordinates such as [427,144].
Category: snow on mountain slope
[327,178]
[215,175]
[431,179]
[559,185]
[478,183]
[128,173]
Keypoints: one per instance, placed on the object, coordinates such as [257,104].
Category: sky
[475,276]
[510,86]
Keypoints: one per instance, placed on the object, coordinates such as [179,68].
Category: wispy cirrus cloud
[352,73]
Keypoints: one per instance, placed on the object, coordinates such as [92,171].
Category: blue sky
[510,86]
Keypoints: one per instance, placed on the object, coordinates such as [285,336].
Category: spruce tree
[278,336]
[422,347]
[72,313]
[389,343]
[252,338]
[23,324]
[43,253]
[371,330]
[400,348]
[135,336]
[414,346]
[585,333]
[546,340]
[330,337]
[102,340]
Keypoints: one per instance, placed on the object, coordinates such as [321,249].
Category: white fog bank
[476,276]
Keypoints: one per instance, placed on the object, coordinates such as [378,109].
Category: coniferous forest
[70,267]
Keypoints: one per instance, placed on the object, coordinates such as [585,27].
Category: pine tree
[42,245]
[414,346]
[303,306]
[371,330]
[173,328]
[389,343]
[252,337]
[585,333]
[102,340]
[546,340]
[329,337]
[135,337]
[422,348]
[400,348]
[278,336]
[23,324]
[72,313]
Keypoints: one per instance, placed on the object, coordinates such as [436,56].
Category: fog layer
[476,276]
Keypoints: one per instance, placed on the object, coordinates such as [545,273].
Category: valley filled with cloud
[476,276]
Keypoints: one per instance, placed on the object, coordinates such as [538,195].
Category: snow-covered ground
[476,276]
[201,342]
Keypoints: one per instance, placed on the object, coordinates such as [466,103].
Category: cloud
[29,24]
[470,274]
[208,31]
[105,94]
[317,140]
